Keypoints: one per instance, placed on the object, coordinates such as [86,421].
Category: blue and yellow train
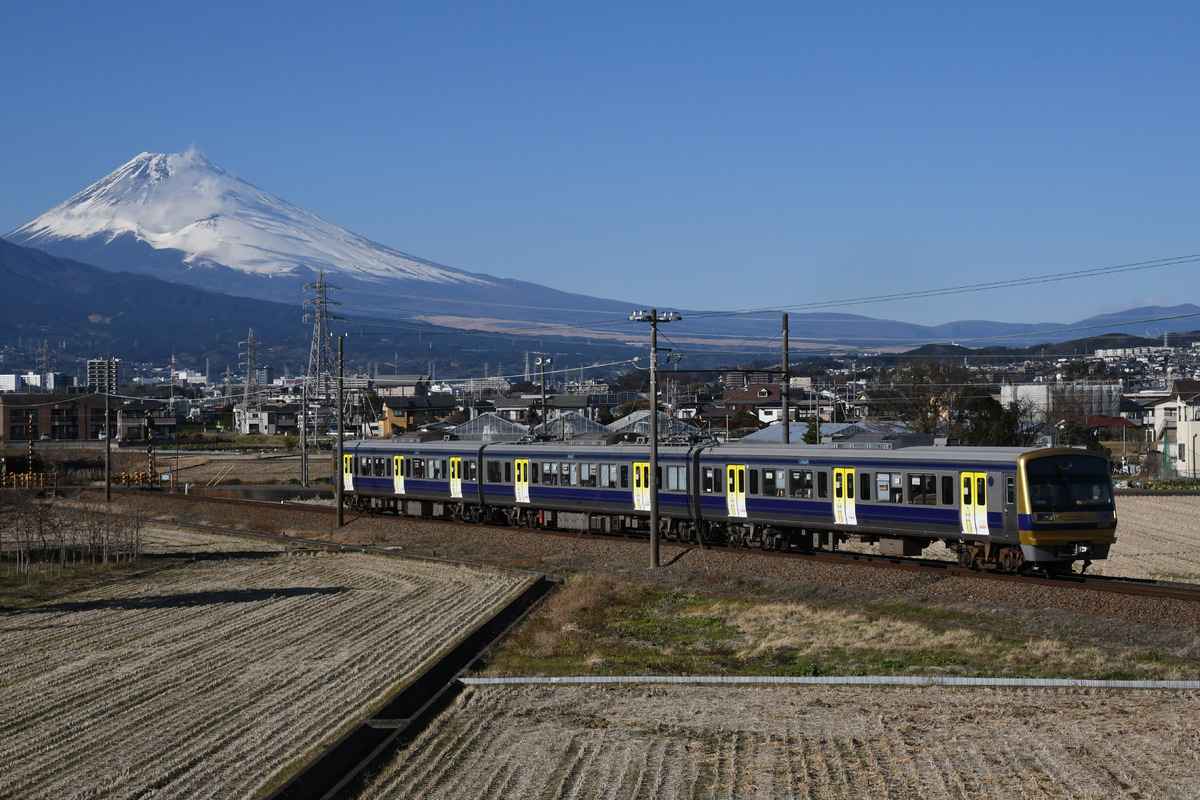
[1010,509]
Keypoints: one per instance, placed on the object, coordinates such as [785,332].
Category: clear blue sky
[684,155]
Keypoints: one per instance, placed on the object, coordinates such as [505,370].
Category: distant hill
[99,313]
[87,312]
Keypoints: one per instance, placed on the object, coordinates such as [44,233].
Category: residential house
[407,414]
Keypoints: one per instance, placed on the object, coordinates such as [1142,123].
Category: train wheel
[970,557]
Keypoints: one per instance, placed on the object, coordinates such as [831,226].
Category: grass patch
[50,581]
[599,625]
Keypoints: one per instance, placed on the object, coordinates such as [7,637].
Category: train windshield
[1069,483]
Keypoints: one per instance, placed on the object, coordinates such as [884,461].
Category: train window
[947,490]
[534,476]
[922,489]
[473,472]
[677,479]
[981,491]
[966,493]
[608,476]
[802,483]
[493,472]
[864,486]
[418,467]
[550,473]
[710,480]
[387,468]
[753,481]
[508,472]
[837,485]
[570,475]
[624,476]
[587,475]
[822,484]
[849,485]
[381,467]
[1010,489]
[773,483]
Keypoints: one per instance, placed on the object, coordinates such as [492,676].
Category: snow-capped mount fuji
[182,218]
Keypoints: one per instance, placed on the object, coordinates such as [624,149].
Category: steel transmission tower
[320,356]
[251,400]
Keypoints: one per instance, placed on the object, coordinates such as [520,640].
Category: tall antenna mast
[320,356]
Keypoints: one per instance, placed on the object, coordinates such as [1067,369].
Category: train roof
[764,451]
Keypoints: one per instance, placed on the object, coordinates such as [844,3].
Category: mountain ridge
[183,219]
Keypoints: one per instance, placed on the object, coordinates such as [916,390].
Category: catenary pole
[107,451]
[783,387]
[654,318]
[339,468]
[304,434]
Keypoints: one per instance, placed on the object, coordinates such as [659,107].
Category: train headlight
[1044,516]
[1106,515]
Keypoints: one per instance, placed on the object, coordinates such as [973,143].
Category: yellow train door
[735,494]
[843,496]
[641,486]
[521,479]
[973,511]
[347,473]
[456,478]
[398,474]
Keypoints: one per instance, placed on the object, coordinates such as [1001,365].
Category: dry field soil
[217,677]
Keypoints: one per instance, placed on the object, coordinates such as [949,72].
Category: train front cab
[1065,509]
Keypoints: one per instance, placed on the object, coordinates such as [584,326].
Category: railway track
[1098,583]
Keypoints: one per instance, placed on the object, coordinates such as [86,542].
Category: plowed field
[210,679]
[809,742]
